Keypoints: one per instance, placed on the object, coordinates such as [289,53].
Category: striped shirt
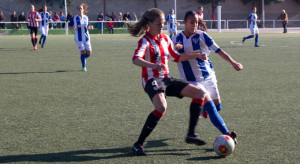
[195,69]
[158,52]
[251,17]
[171,18]
[45,18]
[81,32]
[31,16]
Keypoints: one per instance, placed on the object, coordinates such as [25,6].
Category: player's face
[45,9]
[191,24]
[80,10]
[254,10]
[156,26]
[32,8]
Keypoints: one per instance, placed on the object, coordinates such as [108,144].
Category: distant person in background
[284,17]
[126,17]
[55,19]
[14,18]
[51,21]
[120,18]
[107,17]
[62,18]
[201,16]
[113,16]
[2,19]
[110,26]
[33,19]
[44,25]
[253,27]
[171,19]
[80,24]
[21,19]
[69,16]
[100,18]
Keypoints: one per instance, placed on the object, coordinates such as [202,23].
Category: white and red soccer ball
[224,145]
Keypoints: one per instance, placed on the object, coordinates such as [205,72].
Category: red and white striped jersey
[157,51]
[31,16]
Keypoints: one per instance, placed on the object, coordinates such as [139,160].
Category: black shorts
[169,86]
[33,30]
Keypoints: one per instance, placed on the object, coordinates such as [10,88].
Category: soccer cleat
[256,46]
[194,140]
[233,135]
[84,69]
[138,149]
[244,40]
[204,114]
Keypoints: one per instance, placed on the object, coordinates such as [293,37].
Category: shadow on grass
[18,73]
[93,155]
[207,157]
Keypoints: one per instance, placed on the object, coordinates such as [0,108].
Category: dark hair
[200,21]
[141,26]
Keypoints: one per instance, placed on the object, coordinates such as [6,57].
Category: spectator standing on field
[126,17]
[110,26]
[14,18]
[284,17]
[2,19]
[21,19]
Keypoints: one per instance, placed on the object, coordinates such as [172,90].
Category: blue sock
[215,118]
[219,107]
[83,61]
[248,37]
[256,39]
[41,37]
[44,40]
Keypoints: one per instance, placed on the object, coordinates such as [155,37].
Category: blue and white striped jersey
[45,18]
[81,32]
[171,18]
[252,16]
[196,69]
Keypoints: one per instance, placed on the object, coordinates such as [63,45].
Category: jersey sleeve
[71,23]
[141,49]
[88,20]
[250,16]
[174,54]
[211,43]
[38,15]
[168,18]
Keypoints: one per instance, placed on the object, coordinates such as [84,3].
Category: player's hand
[178,46]
[159,67]
[74,27]
[90,27]
[237,66]
[258,21]
[203,56]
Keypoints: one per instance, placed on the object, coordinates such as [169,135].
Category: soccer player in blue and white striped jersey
[200,72]
[253,27]
[44,26]
[80,23]
[172,23]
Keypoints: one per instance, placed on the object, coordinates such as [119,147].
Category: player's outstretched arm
[143,63]
[237,66]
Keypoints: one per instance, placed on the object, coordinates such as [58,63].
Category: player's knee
[162,109]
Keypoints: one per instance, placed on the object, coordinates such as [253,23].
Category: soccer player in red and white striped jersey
[153,52]
[33,18]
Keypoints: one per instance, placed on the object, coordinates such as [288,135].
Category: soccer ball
[224,145]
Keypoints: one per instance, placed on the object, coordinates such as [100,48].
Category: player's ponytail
[84,6]
[141,26]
